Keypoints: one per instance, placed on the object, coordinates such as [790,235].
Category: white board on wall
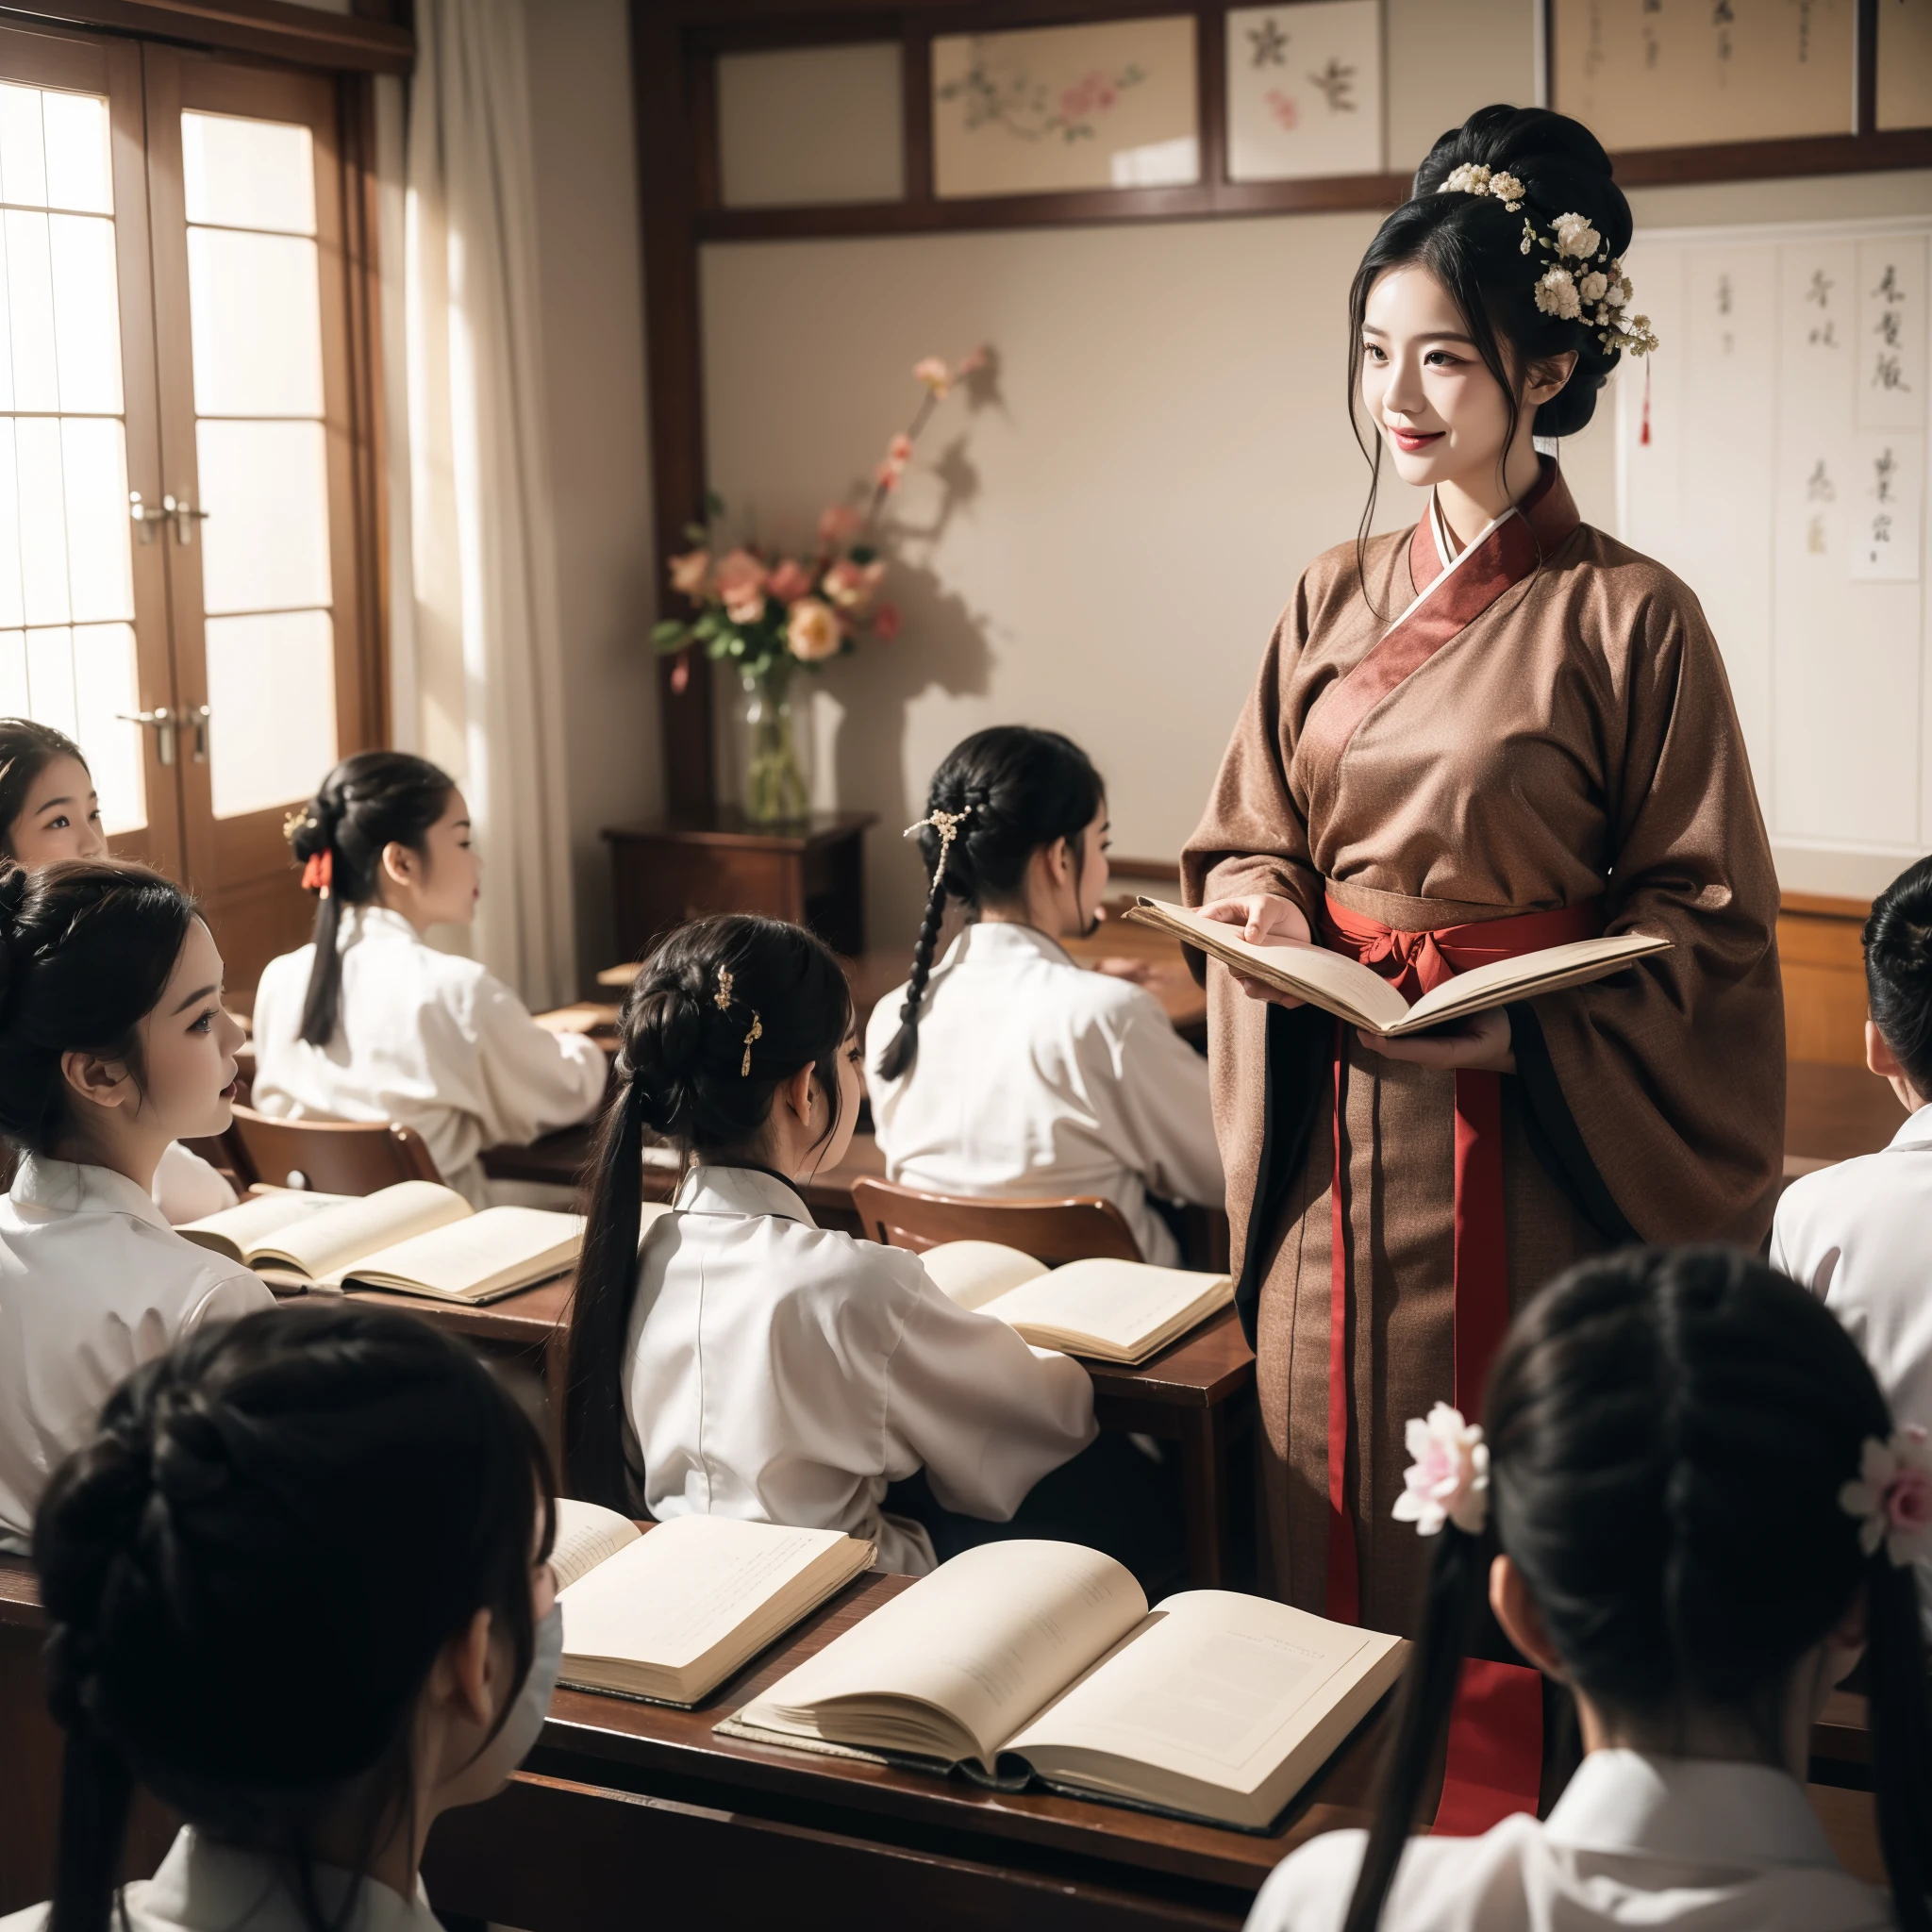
[1783,478]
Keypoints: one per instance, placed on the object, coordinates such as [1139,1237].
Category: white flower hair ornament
[1892,1496]
[1448,1481]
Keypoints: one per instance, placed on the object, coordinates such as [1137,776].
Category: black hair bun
[663,1051]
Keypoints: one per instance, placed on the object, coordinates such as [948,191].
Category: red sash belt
[1504,1708]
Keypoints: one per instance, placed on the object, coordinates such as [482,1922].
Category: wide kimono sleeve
[1673,1073]
[532,1081]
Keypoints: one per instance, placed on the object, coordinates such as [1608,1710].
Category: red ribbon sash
[1495,1734]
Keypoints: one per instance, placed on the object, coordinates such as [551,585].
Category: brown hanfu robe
[1573,740]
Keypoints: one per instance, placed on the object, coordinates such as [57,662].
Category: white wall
[593,334]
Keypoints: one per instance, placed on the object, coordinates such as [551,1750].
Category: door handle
[145,521]
[160,720]
[185,515]
[198,715]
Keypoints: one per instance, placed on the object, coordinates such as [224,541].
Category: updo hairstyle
[1898,969]
[1020,788]
[375,799]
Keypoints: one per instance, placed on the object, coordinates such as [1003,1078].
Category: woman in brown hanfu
[1492,733]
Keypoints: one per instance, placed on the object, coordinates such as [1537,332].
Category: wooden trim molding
[303,35]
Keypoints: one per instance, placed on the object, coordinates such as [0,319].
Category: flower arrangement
[1449,1479]
[768,612]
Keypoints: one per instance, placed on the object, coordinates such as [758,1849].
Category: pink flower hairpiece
[1449,1479]
[1892,1496]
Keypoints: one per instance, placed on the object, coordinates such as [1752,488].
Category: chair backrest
[1077,1227]
[331,1156]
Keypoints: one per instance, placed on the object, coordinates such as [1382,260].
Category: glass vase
[773,749]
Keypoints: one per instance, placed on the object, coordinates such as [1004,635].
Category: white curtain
[478,681]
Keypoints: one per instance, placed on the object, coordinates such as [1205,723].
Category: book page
[1528,974]
[259,1217]
[1117,1304]
[669,1597]
[1213,1687]
[587,1534]
[987,1638]
[973,1272]
[474,1253]
[1325,979]
[326,1243]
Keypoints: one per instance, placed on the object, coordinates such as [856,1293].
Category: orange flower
[689,573]
[812,630]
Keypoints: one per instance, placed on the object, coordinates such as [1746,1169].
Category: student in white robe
[1008,1070]
[49,810]
[1860,1233]
[112,1043]
[370,1022]
[746,1362]
[297,1586]
[1689,1505]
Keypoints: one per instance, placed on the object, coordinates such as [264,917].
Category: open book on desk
[1022,1660]
[1115,1311]
[669,1616]
[1349,990]
[415,1237]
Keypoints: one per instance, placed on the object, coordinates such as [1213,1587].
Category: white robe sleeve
[532,1081]
[243,1293]
[1163,1124]
[986,1415]
[185,1186]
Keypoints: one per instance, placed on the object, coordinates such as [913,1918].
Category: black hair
[1898,969]
[1668,1434]
[352,1472]
[375,799]
[1019,789]
[27,747]
[87,947]
[718,1019]
[1473,244]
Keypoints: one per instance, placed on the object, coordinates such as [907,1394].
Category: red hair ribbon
[319,874]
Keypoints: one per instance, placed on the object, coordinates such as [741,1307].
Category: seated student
[1692,1516]
[112,1043]
[745,1361]
[371,1022]
[1008,1069]
[1860,1233]
[319,1470]
[49,811]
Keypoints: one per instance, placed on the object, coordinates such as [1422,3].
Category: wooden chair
[1075,1227]
[331,1156]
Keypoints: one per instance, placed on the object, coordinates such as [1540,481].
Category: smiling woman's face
[1427,391]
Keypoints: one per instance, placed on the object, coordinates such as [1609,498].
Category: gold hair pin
[721,998]
[946,823]
[758,1032]
[301,819]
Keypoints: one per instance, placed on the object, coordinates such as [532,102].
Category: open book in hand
[1042,1659]
[1115,1311]
[415,1237]
[669,1616]
[1349,990]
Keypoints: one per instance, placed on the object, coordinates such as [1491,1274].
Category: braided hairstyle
[1474,247]
[375,799]
[1668,1434]
[1019,789]
[1898,969]
[350,1472]
[87,948]
[27,747]
[702,1076]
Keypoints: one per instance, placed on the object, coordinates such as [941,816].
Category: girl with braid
[1007,1070]
[1689,1503]
[338,1470]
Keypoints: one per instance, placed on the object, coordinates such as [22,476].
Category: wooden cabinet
[1823,959]
[673,868]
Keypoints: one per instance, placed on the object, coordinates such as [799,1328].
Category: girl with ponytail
[744,1362]
[1690,1506]
[343,1470]
[114,1044]
[371,1022]
[1856,1233]
[1008,1069]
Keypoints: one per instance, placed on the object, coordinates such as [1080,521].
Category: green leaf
[709,625]
[714,504]
[862,553]
[697,534]
[670,635]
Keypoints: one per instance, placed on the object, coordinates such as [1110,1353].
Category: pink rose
[900,449]
[885,623]
[839,523]
[931,370]
[812,630]
[741,586]
[851,586]
[789,581]
[689,572]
